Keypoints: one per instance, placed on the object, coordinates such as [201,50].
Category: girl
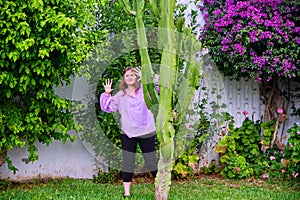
[137,123]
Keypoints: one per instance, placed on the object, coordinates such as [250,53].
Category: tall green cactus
[171,44]
[165,128]
[137,9]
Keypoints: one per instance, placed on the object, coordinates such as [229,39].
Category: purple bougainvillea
[257,38]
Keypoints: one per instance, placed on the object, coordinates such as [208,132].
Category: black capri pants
[129,145]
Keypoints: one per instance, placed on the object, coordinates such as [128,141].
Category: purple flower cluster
[261,37]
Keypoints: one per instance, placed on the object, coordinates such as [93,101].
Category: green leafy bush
[242,155]
[292,153]
[213,168]
[43,46]
[240,150]
[106,177]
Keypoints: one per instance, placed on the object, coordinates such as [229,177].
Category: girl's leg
[126,188]
[147,145]
[128,153]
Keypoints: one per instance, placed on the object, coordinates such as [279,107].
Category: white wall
[77,160]
[57,160]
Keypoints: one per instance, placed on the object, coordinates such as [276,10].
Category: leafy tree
[43,44]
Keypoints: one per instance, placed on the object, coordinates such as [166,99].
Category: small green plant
[268,129]
[186,164]
[292,152]
[237,167]
[213,168]
[239,150]
[273,164]
[106,177]
[187,160]
[283,163]
[4,184]
[247,151]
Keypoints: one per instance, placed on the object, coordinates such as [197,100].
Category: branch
[275,132]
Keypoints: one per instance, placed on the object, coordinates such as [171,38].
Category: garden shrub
[291,159]
[43,45]
[258,39]
[241,154]
[240,150]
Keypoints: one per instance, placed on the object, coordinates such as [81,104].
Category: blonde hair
[124,86]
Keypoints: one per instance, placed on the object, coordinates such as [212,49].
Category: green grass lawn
[200,188]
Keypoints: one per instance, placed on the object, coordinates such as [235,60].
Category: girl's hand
[107,86]
[138,73]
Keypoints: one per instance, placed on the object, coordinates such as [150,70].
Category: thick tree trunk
[269,94]
[272,99]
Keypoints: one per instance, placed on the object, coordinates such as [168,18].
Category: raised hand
[107,86]
[138,73]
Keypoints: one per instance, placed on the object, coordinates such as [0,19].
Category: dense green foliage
[242,153]
[238,149]
[291,159]
[42,46]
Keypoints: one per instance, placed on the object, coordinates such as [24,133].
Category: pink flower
[282,161]
[272,157]
[265,176]
[245,113]
[291,145]
[295,174]
[205,51]
[188,126]
[298,132]
[237,169]
[282,171]
[280,110]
